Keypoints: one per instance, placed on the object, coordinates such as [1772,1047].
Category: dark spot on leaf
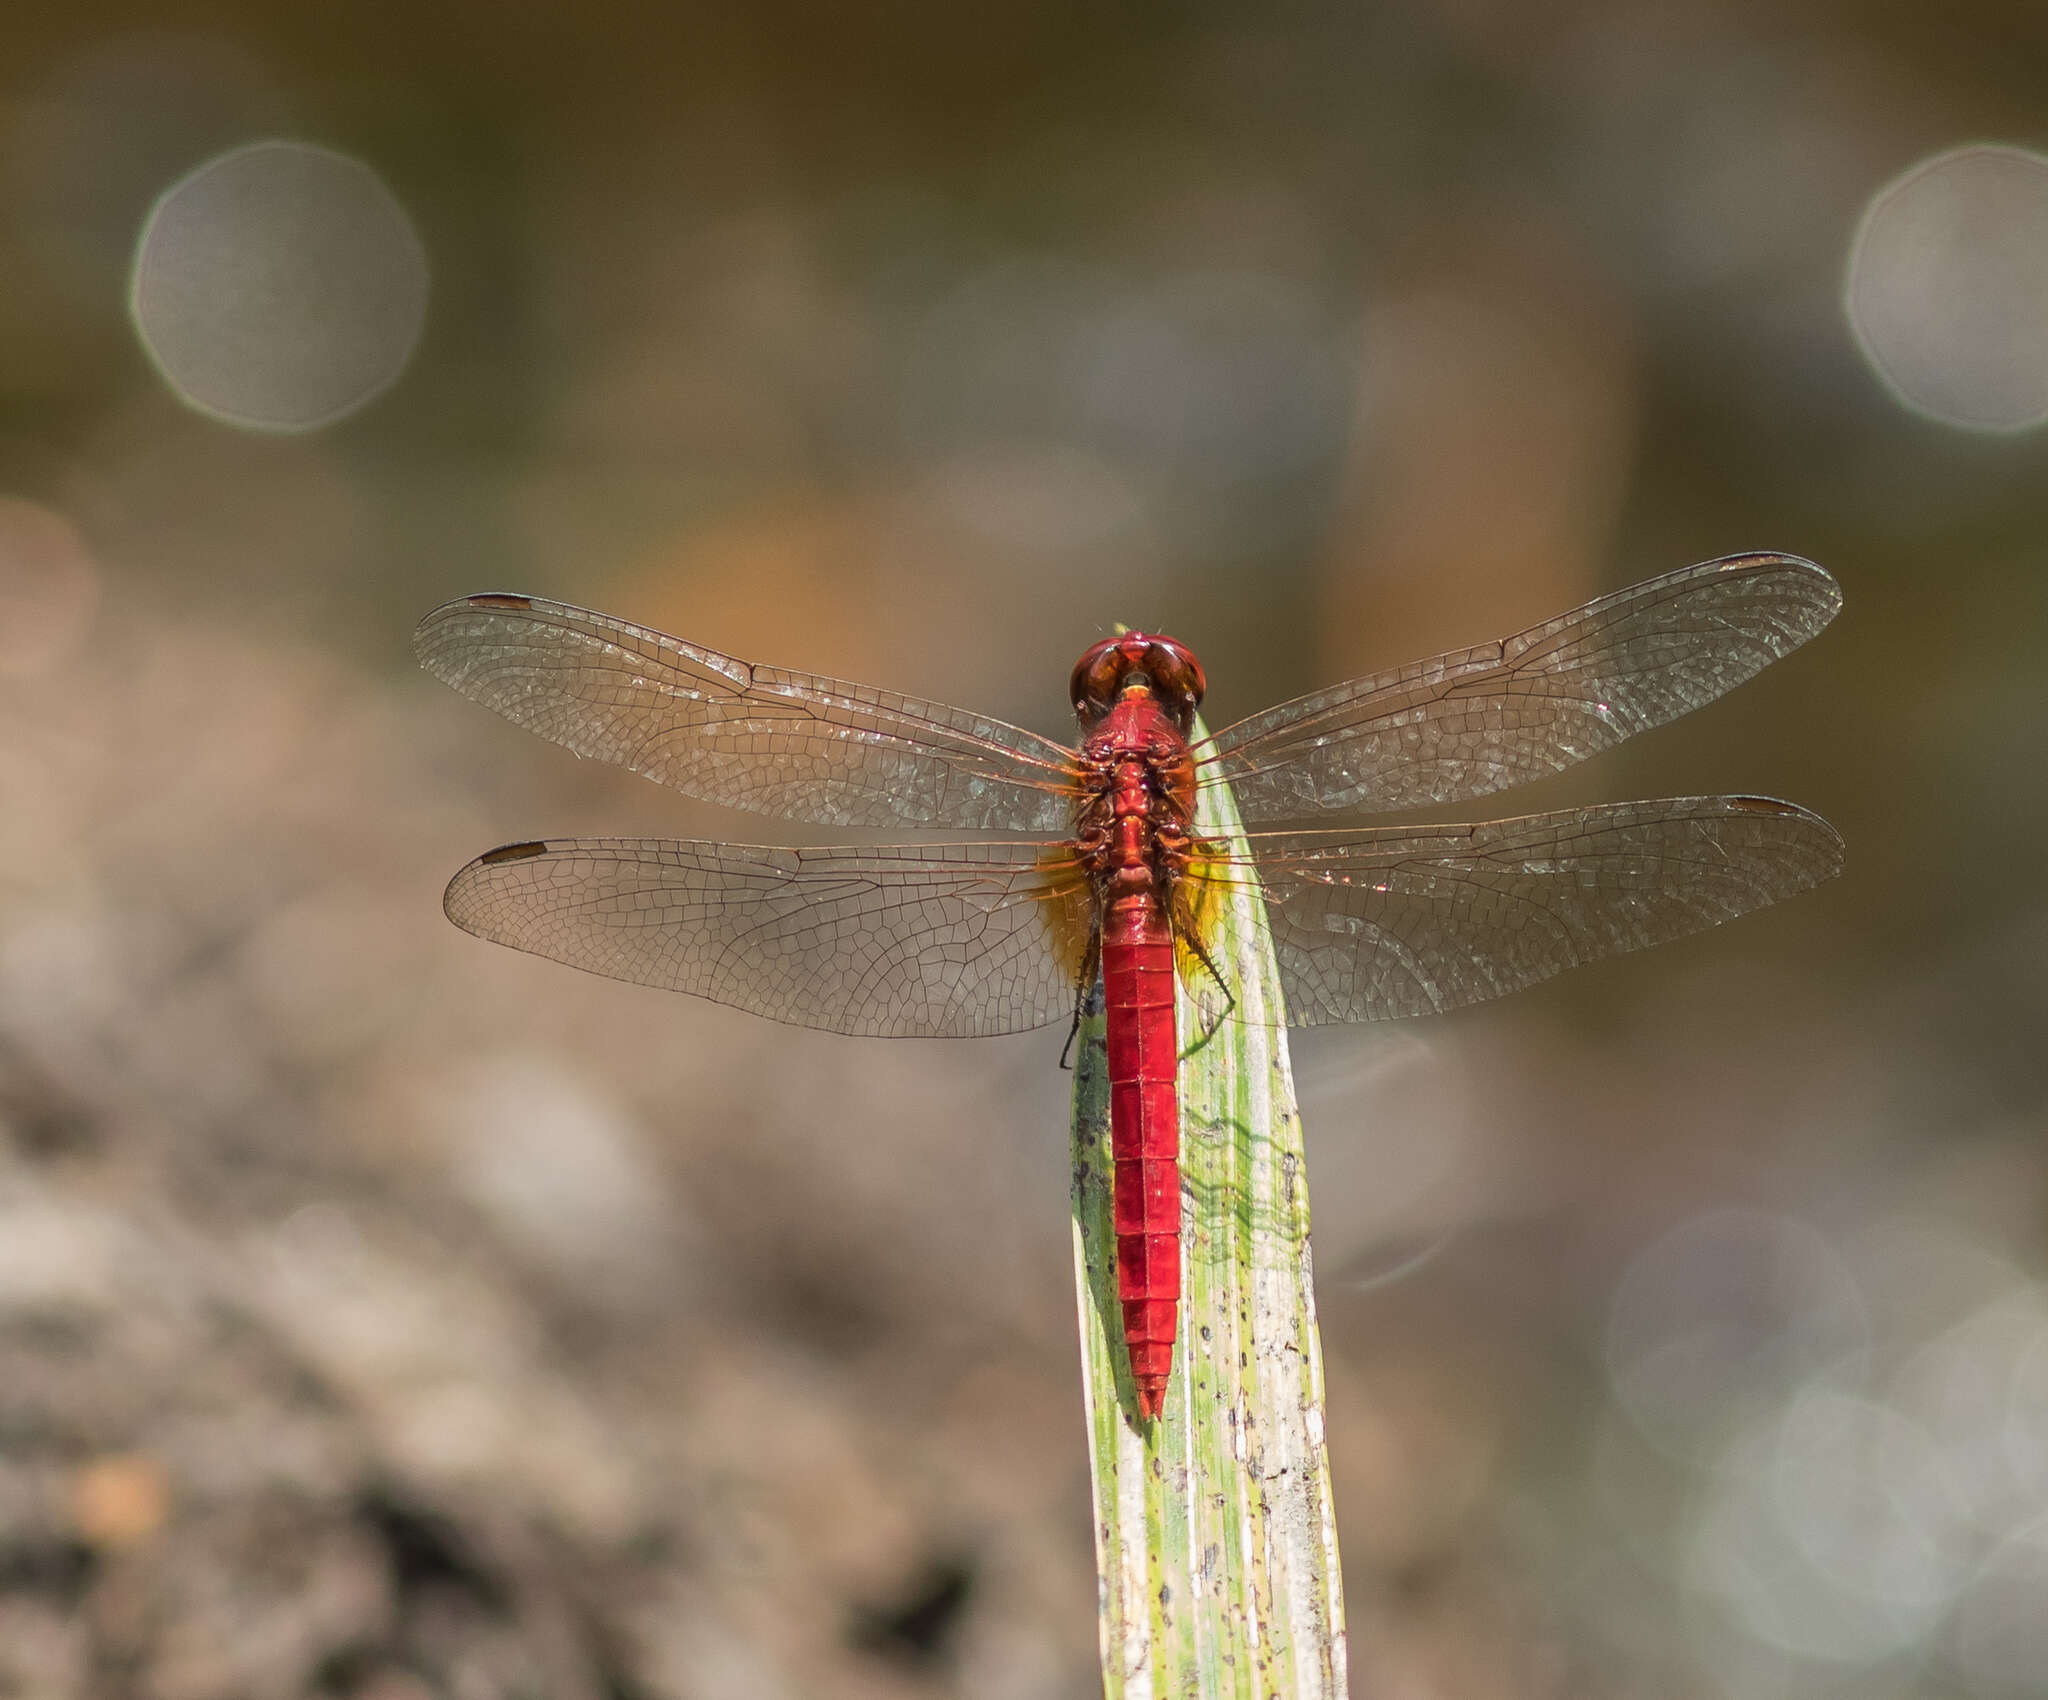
[501,599]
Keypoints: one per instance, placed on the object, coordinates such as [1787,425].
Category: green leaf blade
[1216,1540]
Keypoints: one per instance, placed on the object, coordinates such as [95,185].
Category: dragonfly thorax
[1132,830]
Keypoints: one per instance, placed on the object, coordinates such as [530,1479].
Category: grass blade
[1216,1546]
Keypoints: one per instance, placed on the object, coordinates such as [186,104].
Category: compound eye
[1163,665]
[1178,678]
[1096,677]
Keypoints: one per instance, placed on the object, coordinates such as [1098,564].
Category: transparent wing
[761,738]
[1411,920]
[941,940]
[1481,719]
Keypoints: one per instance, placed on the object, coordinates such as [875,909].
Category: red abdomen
[1144,1128]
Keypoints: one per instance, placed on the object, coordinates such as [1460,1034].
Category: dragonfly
[1092,872]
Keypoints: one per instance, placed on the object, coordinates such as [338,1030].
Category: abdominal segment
[1144,1124]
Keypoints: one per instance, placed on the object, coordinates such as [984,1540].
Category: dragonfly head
[1139,661]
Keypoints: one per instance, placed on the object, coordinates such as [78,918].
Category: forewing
[1411,920]
[762,738]
[941,940]
[1478,720]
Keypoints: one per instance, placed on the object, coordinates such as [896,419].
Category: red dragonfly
[1000,935]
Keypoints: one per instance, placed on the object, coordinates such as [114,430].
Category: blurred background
[386,1315]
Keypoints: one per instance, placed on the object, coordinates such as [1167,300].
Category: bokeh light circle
[1947,287]
[2001,1630]
[1716,1323]
[1826,1532]
[280,286]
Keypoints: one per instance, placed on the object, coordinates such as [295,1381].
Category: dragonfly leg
[1192,938]
[1091,965]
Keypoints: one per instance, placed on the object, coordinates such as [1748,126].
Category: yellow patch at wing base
[1068,910]
[1198,906]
